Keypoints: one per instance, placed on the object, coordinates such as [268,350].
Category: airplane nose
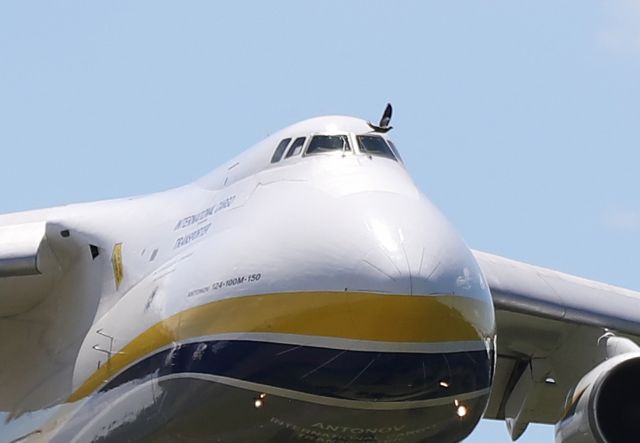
[366,319]
[410,248]
[381,321]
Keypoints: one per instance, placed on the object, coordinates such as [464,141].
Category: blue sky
[520,120]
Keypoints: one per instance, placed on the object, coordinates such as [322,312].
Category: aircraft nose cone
[412,249]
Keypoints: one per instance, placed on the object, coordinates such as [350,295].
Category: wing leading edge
[549,324]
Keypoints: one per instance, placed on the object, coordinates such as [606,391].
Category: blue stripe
[352,375]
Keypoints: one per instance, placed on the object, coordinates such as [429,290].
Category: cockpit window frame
[347,137]
[290,151]
[281,149]
[392,154]
[395,150]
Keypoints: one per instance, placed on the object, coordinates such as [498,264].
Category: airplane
[304,291]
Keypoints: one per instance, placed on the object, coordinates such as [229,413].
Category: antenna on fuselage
[383,126]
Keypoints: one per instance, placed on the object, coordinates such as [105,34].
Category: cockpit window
[277,155]
[394,149]
[375,145]
[296,147]
[321,144]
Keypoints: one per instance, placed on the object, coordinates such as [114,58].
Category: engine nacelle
[605,405]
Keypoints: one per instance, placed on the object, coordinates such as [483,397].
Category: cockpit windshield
[375,145]
[322,144]
[296,147]
[370,145]
[277,155]
[395,150]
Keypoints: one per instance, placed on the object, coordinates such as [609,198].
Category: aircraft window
[296,147]
[321,144]
[277,155]
[394,149]
[374,145]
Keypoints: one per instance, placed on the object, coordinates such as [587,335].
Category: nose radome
[416,249]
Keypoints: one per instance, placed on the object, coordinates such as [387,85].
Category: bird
[383,126]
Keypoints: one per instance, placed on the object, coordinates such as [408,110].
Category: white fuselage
[318,297]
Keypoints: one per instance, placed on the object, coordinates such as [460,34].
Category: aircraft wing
[549,324]
[38,256]
[28,266]
[36,250]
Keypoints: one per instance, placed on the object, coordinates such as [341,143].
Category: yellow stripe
[116,261]
[348,315]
